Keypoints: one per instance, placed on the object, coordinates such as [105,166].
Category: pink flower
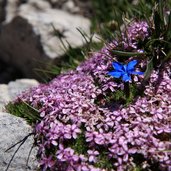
[47,162]
[92,155]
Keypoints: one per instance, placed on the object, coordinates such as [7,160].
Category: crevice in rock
[3,4]
[9,73]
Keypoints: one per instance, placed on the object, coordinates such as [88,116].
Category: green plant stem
[127,89]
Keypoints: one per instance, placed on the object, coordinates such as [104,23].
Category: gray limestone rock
[14,129]
[9,92]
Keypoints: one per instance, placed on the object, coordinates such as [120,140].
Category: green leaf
[152,41]
[148,70]
[127,54]
[83,34]
[167,57]
[137,168]
[161,7]
[169,27]
[24,110]
[157,23]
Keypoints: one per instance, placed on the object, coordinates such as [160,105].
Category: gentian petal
[125,68]
[126,77]
[131,65]
[117,66]
[115,74]
[137,73]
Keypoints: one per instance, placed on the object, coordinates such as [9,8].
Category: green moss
[79,145]
[119,97]
[103,161]
[137,169]
[134,92]
[23,110]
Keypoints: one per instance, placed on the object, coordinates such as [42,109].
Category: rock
[8,72]
[2,10]
[81,7]
[20,47]
[86,7]
[57,3]
[42,21]
[27,37]
[66,5]
[71,7]
[11,9]
[14,129]
[9,92]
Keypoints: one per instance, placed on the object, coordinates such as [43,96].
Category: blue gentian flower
[124,71]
